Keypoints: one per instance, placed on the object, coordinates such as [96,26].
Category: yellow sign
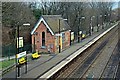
[61,42]
[72,35]
[83,36]
[21,57]
[20,42]
[22,60]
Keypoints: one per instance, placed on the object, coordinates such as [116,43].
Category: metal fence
[10,50]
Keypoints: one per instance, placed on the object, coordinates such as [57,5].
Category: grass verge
[6,63]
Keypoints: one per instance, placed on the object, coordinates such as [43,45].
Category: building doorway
[43,38]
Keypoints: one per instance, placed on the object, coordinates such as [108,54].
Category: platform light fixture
[59,33]
[26,24]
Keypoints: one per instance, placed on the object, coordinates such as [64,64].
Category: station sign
[80,32]
[21,57]
[20,42]
[58,34]
[72,35]
[21,54]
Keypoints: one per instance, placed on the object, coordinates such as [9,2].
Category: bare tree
[74,10]
[16,14]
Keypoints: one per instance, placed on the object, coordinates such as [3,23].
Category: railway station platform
[40,66]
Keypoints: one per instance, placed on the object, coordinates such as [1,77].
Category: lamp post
[26,24]
[17,52]
[59,34]
[81,27]
[92,22]
[104,21]
[70,37]
[80,32]
[97,24]
[101,19]
[91,26]
[114,18]
[105,18]
[108,18]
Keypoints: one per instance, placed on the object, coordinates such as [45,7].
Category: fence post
[9,53]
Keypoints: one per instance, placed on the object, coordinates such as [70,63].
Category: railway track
[79,59]
[117,72]
[88,63]
[83,61]
[117,76]
[96,68]
[110,69]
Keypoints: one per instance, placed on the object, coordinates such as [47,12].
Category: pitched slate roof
[52,23]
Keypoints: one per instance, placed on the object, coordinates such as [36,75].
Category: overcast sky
[116,5]
[62,0]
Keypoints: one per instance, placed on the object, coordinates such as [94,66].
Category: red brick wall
[66,44]
[68,36]
[49,39]
[50,42]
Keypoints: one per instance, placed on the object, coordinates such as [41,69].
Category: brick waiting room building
[45,34]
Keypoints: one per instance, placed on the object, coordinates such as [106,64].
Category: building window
[63,37]
[43,38]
